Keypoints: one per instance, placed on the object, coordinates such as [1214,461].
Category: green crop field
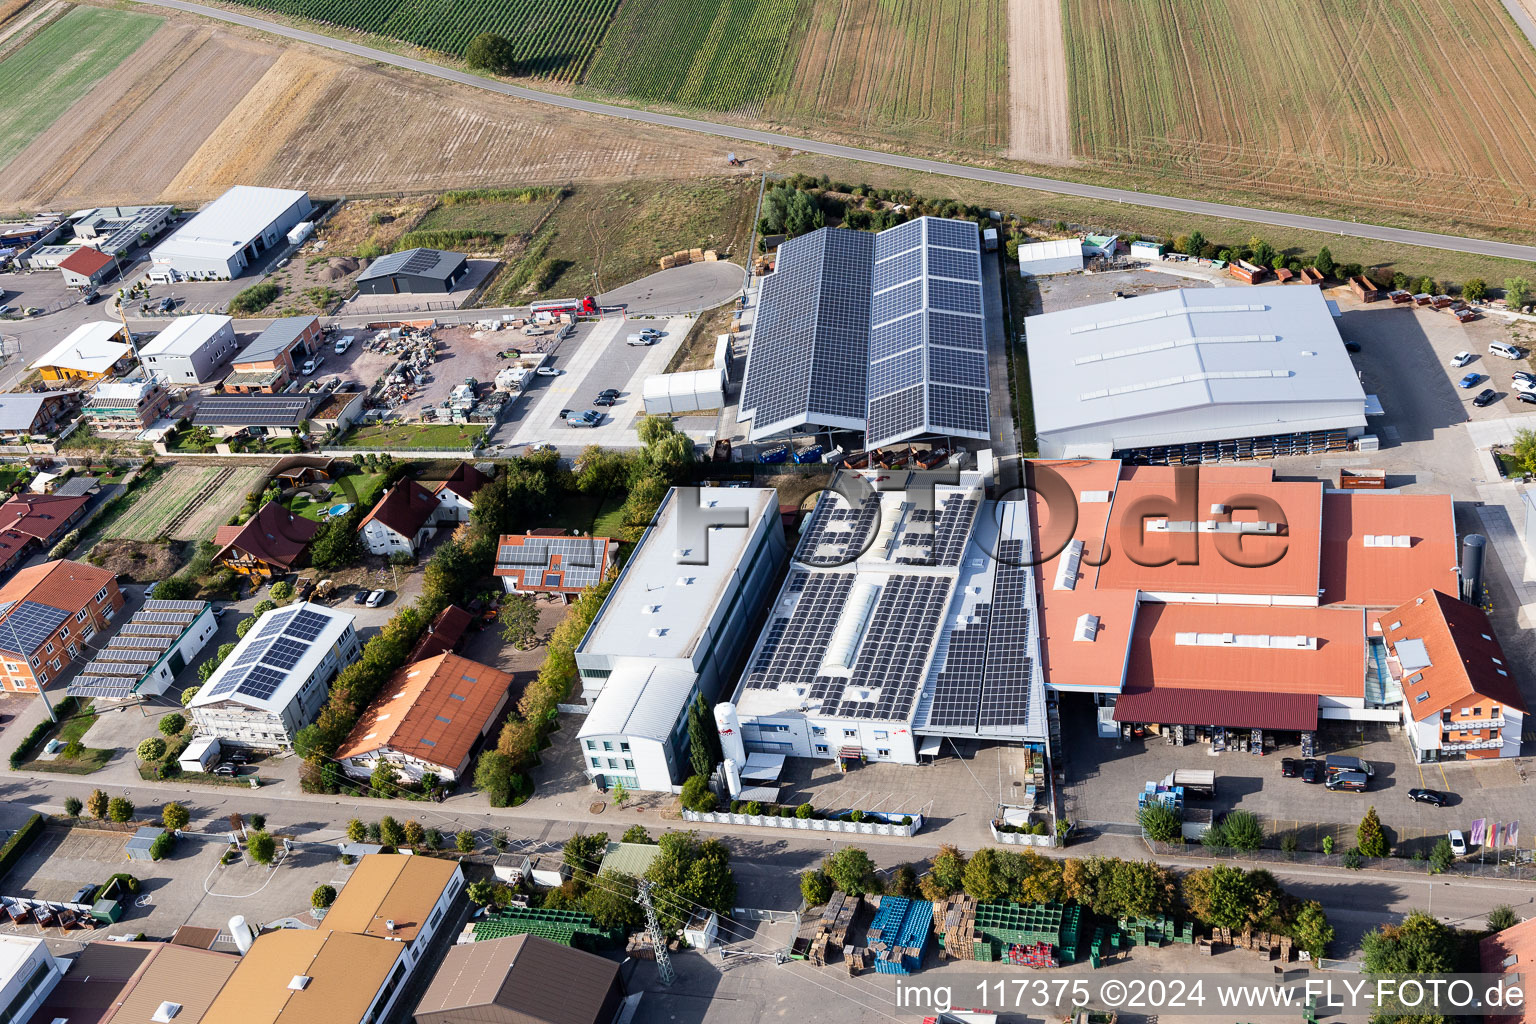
[59,65]
[551,39]
[727,55]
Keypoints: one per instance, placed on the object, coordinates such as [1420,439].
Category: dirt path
[1038,127]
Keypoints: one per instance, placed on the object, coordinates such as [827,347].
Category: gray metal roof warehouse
[1191,366]
[413,270]
[231,232]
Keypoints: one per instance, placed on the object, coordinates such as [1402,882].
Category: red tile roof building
[1511,951]
[456,495]
[401,521]
[551,561]
[36,522]
[46,613]
[270,542]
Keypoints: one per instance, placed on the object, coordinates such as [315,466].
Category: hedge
[23,753]
[17,845]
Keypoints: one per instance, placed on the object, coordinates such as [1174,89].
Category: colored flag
[1493,836]
[1478,832]
[1512,835]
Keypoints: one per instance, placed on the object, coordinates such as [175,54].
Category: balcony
[1456,748]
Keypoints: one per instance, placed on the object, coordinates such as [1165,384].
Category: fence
[1021,838]
[863,828]
[1525,871]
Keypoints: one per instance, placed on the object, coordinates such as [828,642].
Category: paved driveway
[689,289]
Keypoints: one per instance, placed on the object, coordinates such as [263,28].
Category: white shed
[1061,256]
[200,755]
[703,930]
[669,393]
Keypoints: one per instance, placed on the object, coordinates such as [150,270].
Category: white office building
[191,350]
[908,616]
[229,234]
[28,972]
[276,680]
[1193,375]
[673,626]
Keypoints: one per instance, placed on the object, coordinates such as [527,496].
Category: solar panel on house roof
[129,656]
[261,682]
[252,410]
[274,623]
[32,623]
[285,653]
[157,605]
[103,667]
[308,625]
[420,261]
[232,678]
[101,687]
[149,643]
[164,618]
[151,629]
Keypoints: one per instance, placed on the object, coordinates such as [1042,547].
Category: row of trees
[1219,896]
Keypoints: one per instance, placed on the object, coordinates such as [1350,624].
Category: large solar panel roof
[884,333]
[269,653]
[580,560]
[253,410]
[28,625]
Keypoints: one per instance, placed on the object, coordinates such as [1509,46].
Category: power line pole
[658,939]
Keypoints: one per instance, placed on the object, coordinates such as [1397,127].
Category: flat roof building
[414,271]
[908,613]
[672,627]
[276,679]
[1194,375]
[144,657]
[28,974]
[91,352]
[230,233]
[1058,256]
[130,405]
[551,561]
[191,349]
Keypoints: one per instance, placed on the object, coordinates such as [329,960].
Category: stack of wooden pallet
[832,928]
[956,922]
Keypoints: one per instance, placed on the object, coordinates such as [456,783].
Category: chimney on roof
[1472,568]
[390,924]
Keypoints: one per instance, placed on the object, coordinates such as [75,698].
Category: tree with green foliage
[152,749]
[414,833]
[190,692]
[491,52]
[175,816]
[323,896]
[1324,263]
[244,626]
[697,796]
[262,847]
[1517,292]
[1196,244]
[72,806]
[356,831]
[282,591]
[1400,281]
[1312,931]
[1502,917]
[1242,831]
[1161,823]
[947,875]
[494,776]
[97,803]
[173,723]
[162,845]
[583,854]
[1370,837]
[983,879]
[519,619]
[619,794]
[852,871]
[487,892]
[1426,286]
[611,901]
[1229,897]
[464,841]
[120,809]
[1419,945]
[1475,290]
[688,873]
[391,832]
[815,887]
[637,834]
[702,738]
[263,606]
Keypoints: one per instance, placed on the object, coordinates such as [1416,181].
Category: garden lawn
[416,435]
[358,488]
[57,66]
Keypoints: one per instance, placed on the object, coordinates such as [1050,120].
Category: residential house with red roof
[46,613]
[1511,951]
[552,561]
[456,495]
[442,634]
[429,718]
[1460,697]
[269,543]
[32,522]
[402,520]
[85,268]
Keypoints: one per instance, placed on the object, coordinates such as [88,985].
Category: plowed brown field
[199,108]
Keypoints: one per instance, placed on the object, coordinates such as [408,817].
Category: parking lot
[188,887]
[597,357]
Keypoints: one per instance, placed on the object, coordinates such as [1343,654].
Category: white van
[639,339]
[1505,349]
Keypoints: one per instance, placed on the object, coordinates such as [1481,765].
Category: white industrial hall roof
[1189,365]
[229,223]
[1050,250]
[185,335]
[91,348]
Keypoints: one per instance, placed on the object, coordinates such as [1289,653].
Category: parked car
[1505,349]
[605,400]
[1526,397]
[640,339]
[1290,768]
[1347,763]
[1461,359]
[226,769]
[1458,842]
[1427,796]
[1311,771]
[651,332]
[376,598]
[611,392]
[1524,385]
[1523,375]
[1469,381]
[1352,782]
[4,309]
[361,597]
[344,343]
[548,371]
[1484,397]
[313,364]
[166,304]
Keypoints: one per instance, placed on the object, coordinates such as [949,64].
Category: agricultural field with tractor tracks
[185,503]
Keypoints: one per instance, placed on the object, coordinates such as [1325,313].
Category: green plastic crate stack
[984,951]
[1068,942]
[1187,936]
[567,927]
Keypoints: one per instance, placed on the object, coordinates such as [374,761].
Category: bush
[282,591]
[1502,917]
[262,607]
[124,881]
[173,723]
[18,844]
[754,808]
[175,816]
[244,626]
[697,796]
[815,887]
[96,803]
[262,847]
[120,809]
[253,299]
[23,753]
[464,841]
[191,691]
[161,848]
[72,806]
[258,822]
[322,897]
[1162,823]
[804,811]
[1353,860]
[152,749]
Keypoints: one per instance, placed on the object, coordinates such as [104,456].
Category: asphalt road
[1484,247]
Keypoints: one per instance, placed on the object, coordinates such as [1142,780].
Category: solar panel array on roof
[580,560]
[28,625]
[270,652]
[253,410]
[102,687]
[118,670]
[836,534]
